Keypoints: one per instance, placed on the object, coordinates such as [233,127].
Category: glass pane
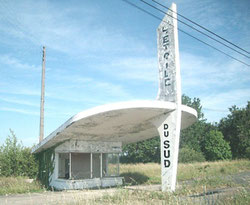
[112,165]
[80,165]
[104,165]
[96,165]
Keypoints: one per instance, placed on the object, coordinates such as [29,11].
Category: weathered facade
[86,164]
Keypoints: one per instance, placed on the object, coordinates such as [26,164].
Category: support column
[118,165]
[169,130]
[56,166]
[101,165]
[169,90]
[91,165]
[70,166]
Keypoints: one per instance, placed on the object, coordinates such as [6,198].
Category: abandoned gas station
[86,148]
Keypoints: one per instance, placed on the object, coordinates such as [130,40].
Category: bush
[187,155]
[215,147]
[16,160]
[236,130]
[248,153]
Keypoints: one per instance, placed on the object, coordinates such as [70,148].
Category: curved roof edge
[112,107]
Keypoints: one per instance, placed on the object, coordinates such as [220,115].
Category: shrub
[248,153]
[16,160]
[187,155]
[215,147]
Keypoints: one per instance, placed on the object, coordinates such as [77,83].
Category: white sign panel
[168,58]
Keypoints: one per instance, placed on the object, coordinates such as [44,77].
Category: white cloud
[216,105]
[56,29]
[205,73]
[226,99]
[133,68]
[14,90]
[18,101]
[218,83]
[92,91]
[17,64]
[21,111]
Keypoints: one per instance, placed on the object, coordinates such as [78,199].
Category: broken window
[112,164]
[63,171]
[80,165]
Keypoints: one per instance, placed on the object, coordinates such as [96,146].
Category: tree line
[203,141]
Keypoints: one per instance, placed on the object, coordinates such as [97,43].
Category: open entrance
[63,171]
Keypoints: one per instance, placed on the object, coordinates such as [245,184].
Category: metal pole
[41,135]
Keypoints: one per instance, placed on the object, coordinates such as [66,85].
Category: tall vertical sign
[41,134]
[169,90]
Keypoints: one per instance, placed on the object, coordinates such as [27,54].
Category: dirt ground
[73,197]
[62,197]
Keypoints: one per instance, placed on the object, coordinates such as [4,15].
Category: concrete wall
[62,184]
[89,146]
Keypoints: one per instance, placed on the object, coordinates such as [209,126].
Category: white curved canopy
[125,122]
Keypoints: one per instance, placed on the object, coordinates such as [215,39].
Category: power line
[201,27]
[195,29]
[156,17]
[215,110]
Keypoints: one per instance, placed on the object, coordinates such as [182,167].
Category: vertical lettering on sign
[166,57]
[166,146]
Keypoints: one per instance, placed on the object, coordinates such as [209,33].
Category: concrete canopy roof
[126,122]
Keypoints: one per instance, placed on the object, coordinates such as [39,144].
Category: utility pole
[42,98]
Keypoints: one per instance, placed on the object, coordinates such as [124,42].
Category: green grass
[18,185]
[242,197]
[186,171]
[193,179]
[136,197]
[209,169]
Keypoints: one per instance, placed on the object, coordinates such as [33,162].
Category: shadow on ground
[134,178]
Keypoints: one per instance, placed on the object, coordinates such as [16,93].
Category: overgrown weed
[18,185]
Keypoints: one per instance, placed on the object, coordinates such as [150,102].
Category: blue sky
[100,52]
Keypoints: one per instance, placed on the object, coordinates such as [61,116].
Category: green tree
[144,151]
[194,135]
[187,155]
[195,103]
[215,147]
[16,160]
[236,130]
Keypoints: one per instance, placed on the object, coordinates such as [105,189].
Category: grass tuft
[18,185]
